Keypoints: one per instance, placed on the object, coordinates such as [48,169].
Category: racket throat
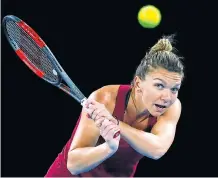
[83,101]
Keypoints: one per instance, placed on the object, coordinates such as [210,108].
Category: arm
[83,154]
[156,143]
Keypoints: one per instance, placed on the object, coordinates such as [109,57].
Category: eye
[174,90]
[159,86]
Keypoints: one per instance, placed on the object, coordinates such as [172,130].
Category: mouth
[160,106]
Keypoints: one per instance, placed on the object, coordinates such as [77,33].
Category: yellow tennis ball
[149,16]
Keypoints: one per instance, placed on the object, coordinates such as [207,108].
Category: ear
[137,84]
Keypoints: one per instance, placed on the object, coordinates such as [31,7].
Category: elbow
[72,168]
[157,154]
[156,157]
[73,164]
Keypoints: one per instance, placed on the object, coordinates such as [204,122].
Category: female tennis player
[145,113]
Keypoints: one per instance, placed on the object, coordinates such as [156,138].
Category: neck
[144,113]
[140,110]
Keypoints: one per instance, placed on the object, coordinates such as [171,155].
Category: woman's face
[158,91]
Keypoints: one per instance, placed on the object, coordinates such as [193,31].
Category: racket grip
[116,134]
[83,101]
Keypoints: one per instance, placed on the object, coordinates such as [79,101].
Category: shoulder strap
[120,101]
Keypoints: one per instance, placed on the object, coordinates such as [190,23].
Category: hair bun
[163,44]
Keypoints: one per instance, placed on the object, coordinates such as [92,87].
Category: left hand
[98,112]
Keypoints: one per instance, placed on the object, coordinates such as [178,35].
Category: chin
[156,114]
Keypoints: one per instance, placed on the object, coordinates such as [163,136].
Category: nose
[166,96]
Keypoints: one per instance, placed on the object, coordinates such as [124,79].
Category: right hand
[107,131]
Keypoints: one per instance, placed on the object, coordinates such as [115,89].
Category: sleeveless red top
[121,164]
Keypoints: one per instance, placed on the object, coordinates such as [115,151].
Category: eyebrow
[166,82]
[160,80]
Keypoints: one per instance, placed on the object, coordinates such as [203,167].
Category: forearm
[145,143]
[84,159]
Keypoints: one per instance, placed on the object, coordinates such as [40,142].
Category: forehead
[163,74]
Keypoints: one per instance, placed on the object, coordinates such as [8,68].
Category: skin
[159,87]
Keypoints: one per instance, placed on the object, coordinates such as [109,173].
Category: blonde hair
[161,55]
[163,44]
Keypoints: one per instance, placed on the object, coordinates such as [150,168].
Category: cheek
[151,95]
[174,97]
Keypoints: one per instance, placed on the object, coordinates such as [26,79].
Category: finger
[105,129]
[107,125]
[113,133]
[108,128]
[89,112]
[90,105]
[88,101]
[104,124]
[112,119]
[94,102]
[104,113]
[96,106]
[98,117]
[94,112]
[99,122]
[97,112]
[101,112]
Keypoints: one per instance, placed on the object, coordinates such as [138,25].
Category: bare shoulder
[174,111]
[176,105]
[106,95]
[87,133]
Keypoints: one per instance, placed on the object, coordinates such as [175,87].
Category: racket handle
[116,134]
[83,101]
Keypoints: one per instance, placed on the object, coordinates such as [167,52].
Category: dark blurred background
[100,43]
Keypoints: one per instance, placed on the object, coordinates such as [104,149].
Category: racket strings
[33,52]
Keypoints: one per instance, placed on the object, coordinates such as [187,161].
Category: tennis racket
[34,52]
